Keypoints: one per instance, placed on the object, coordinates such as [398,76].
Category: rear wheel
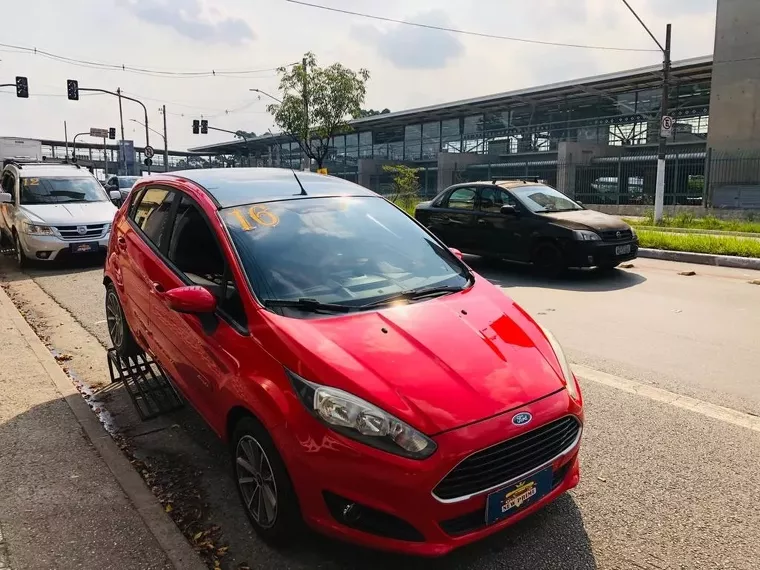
[263,484]
[548,259]
[118,329]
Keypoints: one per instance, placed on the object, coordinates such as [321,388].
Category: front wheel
[548,259]
[263,484]
[118,329]
[21,257]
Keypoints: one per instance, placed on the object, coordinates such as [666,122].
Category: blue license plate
[86,247]
[510,500]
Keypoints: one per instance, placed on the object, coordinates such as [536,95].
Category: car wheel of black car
[264,484]
[118,328]
[547,258]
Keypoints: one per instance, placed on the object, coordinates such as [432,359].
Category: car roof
[52,170]
[230,187]
[501,183]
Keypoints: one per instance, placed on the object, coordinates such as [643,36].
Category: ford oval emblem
[521,419]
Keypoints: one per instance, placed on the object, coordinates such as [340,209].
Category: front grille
[475,520]
[508,460]
[72,232]
[616,235]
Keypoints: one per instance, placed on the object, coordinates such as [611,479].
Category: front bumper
[595,253]
[324,465]
[51,247]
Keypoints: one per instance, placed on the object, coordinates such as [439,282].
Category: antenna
[303,190]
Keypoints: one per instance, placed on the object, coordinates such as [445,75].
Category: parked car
[368,382]
[122,184]
[527,222]
[49,209]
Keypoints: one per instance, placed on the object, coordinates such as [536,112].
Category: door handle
[482,222]
[445,220]
[122,242]
[158,288]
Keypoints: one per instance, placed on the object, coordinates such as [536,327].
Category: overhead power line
[467,32]
[138,70]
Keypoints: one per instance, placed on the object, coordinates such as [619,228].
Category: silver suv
[49,209]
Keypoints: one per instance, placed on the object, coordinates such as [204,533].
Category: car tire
[274,512]
[548,259]
[21,259]
[118,328]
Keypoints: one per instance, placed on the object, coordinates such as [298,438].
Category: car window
[60,190]
[346,250]
[126,181]
[542,199]
[493,198]
[151,214]
[462,199]
[196,253]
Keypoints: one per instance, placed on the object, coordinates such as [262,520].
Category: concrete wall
[735,92]
[451,162]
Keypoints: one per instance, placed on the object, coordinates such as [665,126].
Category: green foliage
[700,243]
[689,221]
[245,135]
[406,186]
[334,94]
[371,112]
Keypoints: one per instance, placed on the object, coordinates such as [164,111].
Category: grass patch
[689,221]
[696,243]
[407,203]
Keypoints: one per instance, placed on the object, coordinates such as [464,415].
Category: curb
[701,258]
[697,231]
[166,533]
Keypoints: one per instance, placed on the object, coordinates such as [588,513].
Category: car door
[501,234]
[7,184]
[455,219]
[194,349]
[139,239]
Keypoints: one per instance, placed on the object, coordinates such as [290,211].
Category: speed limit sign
[666,128]
[149,152]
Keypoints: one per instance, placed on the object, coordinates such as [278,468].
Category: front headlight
[34,229]
[585,235]
[362,421]
[106,229]
[572,387]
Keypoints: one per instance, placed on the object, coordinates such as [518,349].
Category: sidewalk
[64,484]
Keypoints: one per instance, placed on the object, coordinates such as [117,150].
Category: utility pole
[659,192]
[306,161]
[66,136]
[659,189]
[105,158]
[121,148]
[166,144]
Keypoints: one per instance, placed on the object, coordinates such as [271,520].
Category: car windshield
[541,199]
[127,181]
[61,190]
[351,251]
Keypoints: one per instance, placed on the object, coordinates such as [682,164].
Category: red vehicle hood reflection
[437,364]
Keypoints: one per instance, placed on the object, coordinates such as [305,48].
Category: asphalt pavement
[661,486]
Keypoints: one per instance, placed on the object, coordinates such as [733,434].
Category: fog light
[351,513]
[591,259]
[43,254]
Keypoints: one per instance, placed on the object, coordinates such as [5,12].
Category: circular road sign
[149,152]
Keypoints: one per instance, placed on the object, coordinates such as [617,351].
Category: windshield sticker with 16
[254,217]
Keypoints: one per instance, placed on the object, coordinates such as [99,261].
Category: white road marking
[714,411]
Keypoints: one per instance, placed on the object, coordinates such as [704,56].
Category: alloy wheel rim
[114,320]
[256,481]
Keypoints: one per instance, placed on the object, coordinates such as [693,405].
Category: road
[662,486]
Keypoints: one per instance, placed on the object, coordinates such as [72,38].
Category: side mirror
[5,198]
[508,210]
[456,252]
[115,195]
[193,300]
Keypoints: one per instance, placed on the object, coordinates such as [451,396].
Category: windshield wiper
[414,294]
[309,305]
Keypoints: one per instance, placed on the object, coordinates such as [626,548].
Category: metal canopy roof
[694,69]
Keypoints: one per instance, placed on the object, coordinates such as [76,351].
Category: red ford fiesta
[367,381]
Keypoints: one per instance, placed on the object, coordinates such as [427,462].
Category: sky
[409,66]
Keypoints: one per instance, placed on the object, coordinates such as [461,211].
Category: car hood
[587,219]
[437,364]
[69,214]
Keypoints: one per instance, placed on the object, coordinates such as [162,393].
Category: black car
[527,222]
[121,183]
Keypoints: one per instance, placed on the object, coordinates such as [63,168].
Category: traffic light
[204,127]
[72,85]
[22,87]
[196,126]
[148,161]
[112,133]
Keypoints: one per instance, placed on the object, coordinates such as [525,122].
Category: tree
[406,185]
[371,112]
[333,95]
[245,135]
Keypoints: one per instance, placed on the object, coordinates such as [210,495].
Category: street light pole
[166,144]
[306,163]
[121,122]
[659,189]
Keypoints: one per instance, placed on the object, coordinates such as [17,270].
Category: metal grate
[72,232]
[503,462]
[150,390]
[616,235]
